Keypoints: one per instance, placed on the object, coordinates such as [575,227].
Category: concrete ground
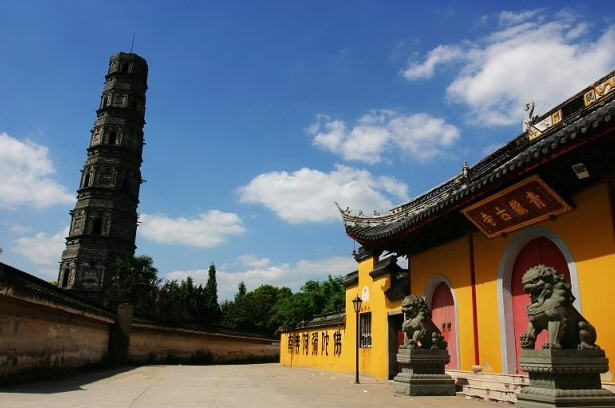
[218,386]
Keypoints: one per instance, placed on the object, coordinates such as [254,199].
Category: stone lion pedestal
[423,373]
[566,372]
[564,378]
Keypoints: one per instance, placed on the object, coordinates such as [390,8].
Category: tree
[211,296]
[334,293]
[253,311]
[314,299]
[241,290]
[171,305]
[134,281]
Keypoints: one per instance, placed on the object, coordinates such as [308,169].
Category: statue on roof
[465,169]
[528,117]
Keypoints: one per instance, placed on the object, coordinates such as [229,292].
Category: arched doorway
[443,316]
[538,251]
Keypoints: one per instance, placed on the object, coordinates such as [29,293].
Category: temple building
[546,197]
[104,221]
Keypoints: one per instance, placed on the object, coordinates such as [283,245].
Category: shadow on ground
[64,383]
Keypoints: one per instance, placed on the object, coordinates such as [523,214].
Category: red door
[536,252]
[443,315]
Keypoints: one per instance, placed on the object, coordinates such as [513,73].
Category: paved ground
[249,386]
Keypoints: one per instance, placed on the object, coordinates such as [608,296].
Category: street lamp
[356,303]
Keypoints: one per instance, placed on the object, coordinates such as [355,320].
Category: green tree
[211,296]
[134,281]
[253,311]
[241,290]
[314,299]
[171,305]
[334,293]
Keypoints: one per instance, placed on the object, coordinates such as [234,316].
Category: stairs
[495,387]
[489,387]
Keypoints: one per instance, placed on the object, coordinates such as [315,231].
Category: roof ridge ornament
[529,118]
[465,169]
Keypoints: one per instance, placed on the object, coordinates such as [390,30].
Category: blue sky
[261,114]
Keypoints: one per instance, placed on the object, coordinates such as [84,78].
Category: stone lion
[551,309]
[419,330]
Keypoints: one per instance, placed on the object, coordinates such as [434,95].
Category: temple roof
[578,125]
[329,320]
[385,266]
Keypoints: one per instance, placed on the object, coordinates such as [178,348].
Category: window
[97,226]
[125,185]
[65,278]
[86,181]
[365,330]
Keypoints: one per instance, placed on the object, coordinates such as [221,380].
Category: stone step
[489,387]
[494,384]
[495,387]
[489,394]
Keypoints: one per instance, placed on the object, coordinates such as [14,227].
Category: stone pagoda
[104,221]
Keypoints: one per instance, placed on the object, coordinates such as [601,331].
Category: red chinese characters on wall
[525,203]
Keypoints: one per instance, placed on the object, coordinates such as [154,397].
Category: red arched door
[443,315]
[536,252]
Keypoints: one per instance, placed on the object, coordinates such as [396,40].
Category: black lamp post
[356,303]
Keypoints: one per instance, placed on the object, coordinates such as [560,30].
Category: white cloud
[418,135]
[18,228]
[285,274]
[26,169]
[577,31]
[252,261]
[43,250]
[529,55]
[205,230]
[307,195]
[511,17]
[439,55]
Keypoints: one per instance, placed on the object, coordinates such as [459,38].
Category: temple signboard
[522,204]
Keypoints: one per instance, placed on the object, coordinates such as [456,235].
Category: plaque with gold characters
[522,204]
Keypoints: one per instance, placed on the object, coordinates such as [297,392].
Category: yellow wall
[328,361]
[487,254]
[452,261]
[588,233]
[372,361]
